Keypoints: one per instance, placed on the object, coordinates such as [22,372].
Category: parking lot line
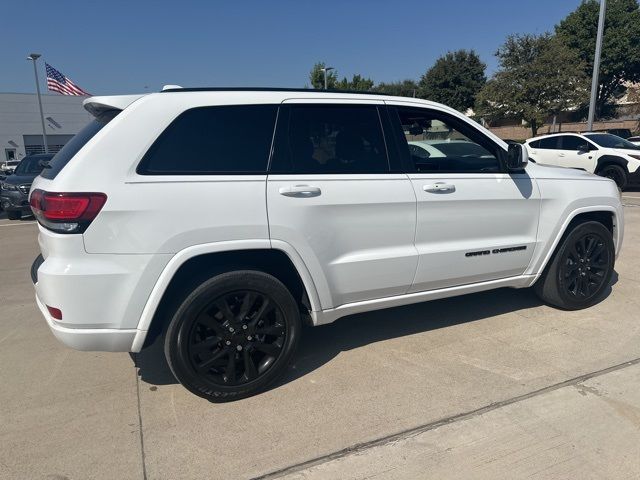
[16,224]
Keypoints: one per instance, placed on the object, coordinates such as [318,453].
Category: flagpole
[34,57]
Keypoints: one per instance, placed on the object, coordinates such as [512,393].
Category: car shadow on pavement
[319,345]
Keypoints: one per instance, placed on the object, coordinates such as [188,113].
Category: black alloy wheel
[233,335]
[586,266]
[235,338]
[615,173]
[580,269]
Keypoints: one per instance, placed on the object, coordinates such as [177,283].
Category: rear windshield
[73,146]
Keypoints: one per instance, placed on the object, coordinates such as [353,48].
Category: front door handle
[561,154]
[300,191]
[440,188]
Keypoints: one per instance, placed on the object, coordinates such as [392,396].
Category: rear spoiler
[97,105]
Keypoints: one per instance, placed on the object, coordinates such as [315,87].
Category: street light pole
[596,66]
[34,57]
[325,70]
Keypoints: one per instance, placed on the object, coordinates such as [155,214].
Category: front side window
[549,143]
[437,142]
[328,139]
[232,139]
[571,142]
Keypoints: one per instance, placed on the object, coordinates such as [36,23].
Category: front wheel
[233,336]
[581,268]
[615,173]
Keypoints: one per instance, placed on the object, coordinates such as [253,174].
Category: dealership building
[21,127]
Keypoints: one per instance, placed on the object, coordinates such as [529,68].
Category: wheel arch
[605,214]
[193,265]
[606,160]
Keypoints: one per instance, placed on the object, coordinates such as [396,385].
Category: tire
[220,353]
[615,173]
[580,269]
[14,214]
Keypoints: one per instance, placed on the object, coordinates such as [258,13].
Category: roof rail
[176,88]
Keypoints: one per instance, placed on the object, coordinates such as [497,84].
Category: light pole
[34,57]
[596,66]
[325,70]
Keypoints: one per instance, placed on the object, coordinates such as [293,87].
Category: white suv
[219,220]
[600,153]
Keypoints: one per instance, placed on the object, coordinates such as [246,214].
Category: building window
[10,153]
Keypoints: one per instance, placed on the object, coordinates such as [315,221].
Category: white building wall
[20,117]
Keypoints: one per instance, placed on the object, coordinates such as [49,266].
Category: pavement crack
[142,455]
[411,432]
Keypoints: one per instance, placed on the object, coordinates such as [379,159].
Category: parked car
[600,153]
[619,132]
[635,140]
[218,220]
[8,166]
[14,189]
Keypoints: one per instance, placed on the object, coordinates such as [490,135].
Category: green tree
[455,79]
[316,77]
[357,82]
[404,88]
[620,60]
[538,77]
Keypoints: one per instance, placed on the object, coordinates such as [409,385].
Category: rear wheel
[233,335]
[14,214]
[581,268]
[615,173]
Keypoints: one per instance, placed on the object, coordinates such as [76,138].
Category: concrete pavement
[390,374]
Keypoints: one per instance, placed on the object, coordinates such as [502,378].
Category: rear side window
[549,143]
[73,146]
[214,140]
[535,144]
[330,139]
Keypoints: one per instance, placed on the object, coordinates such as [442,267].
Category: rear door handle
[561,155]
[300,191]
[439,188]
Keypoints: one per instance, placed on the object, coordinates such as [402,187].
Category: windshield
[611,141]
[32,165]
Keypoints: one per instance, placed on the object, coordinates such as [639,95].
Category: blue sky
[115,46]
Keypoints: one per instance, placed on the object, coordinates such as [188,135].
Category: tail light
[66,212]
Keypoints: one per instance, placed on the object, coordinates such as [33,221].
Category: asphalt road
[491,385]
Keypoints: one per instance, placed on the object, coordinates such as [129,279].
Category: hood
[20,179]
[627,151]
[552,171]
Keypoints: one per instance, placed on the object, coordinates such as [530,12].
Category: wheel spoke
[205,345]
[274,330]
[269,349]
[230,371]
[223,306]
[247,302]
[210,322]
[264,308]
[207,364]
[249,367]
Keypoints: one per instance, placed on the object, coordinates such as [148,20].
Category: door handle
[439,188]
[300,191]
[561,155]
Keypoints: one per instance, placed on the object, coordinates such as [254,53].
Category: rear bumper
[101,296]
[89,339]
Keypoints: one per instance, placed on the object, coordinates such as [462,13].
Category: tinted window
[437,142]
[32,165]
[212,140]
[611,141]
[330,139]
[535,144]
[73,146]
[570,142]
[549,143]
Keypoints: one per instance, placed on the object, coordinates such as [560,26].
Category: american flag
[57,82]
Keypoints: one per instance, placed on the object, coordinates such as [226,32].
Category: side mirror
[583,148]
[517,157]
